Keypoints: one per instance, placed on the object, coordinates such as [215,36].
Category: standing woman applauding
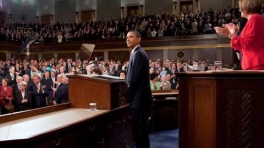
[6,96]
[250,41]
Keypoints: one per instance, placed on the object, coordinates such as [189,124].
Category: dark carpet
[164,139]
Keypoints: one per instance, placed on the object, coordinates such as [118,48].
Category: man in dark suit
[11,76]
[68,65]
[61,94]
[46,80]
[39,92]
[138,92]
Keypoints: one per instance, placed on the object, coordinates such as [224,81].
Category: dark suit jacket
[28,72]
[61,94]
[48,82]
[19,106]
[138,92]
[67,67]
[38,98]
[173,82]
[11,82]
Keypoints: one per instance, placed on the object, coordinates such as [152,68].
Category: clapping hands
[226,29]
[231,27]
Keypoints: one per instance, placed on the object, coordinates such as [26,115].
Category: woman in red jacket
[6,96]
[250,41]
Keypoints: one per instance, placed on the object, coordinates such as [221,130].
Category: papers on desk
[194,67]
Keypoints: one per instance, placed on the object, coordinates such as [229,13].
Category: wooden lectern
[107,92]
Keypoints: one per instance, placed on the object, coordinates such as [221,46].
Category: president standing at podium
[138,92]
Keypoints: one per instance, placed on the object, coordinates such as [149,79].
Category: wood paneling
[203,113]
[106,93]
[133,11]
[2,56]
[24,56]
[86,16]
[47,19]
[2,16]
[221,109]
[48,56]
[66,55]
[118,55]
[186,7]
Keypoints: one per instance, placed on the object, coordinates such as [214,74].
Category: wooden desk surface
[173,92]
[36,125]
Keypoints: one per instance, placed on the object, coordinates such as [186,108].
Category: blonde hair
[250,6]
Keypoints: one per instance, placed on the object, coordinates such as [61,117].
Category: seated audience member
[163,71]
[165,85]
[154,83]
[179,67]
[89,70]
[23,97]
[173,80]
[97,71]
[122,74]
[6,96]
[29,81]
[16,87]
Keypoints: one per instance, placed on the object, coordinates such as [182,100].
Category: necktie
[57,87]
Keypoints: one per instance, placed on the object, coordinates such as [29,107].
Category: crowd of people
[27,86]
[151,25]
[41,78]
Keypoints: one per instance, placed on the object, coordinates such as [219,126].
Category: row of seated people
[151,25]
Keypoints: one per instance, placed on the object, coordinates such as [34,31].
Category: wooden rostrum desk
[221,109]
[72,124]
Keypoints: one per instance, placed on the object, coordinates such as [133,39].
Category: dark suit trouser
[3,110]
[140,130]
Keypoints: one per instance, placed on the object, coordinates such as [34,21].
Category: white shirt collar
[134,49]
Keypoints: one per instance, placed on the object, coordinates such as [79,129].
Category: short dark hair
[6,79]
[153,76]
[138,35]
[97,71]
[121,71]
